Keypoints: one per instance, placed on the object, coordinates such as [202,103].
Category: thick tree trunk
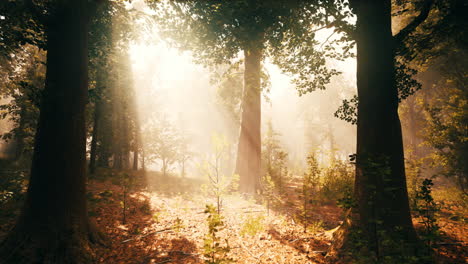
[249,148]
[383,215]
[53,226]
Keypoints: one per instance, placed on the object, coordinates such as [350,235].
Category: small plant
[212,167]
[178,225]
[347,201]
[274,158]
[268,191]
[338,179]
[157,217]
[213,251]
[315,227]
[310,184]
[252,225]
[427,209]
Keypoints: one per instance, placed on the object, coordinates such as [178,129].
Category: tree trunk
[383,214]
[249,148]
[93,154]
[19,148]
[53,226]
[135,159]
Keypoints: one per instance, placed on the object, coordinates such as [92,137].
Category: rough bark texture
[249,148]
[382,217]
[53,226]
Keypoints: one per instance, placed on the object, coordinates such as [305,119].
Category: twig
[145,235]
[248,251]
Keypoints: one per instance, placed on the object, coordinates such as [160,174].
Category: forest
[233,131]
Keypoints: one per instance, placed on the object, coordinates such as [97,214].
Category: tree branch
[411,27]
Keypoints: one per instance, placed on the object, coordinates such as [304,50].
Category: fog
[168,83]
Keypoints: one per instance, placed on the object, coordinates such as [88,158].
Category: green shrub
[337,181]
[252,225]
[427,209]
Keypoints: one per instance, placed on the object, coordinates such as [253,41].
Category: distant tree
[274,158]
[162,142]
[115,123]
[24,86]
[53,226]
[184,155]
[447,113]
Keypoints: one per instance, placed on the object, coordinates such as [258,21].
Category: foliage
[267,190]
[347,111]
[164,143]
[20,25]
[217,31]
[446,130]
[414,168]
[212,167]
[12,185]
[274,158]
[427,209]
[252,225]
[213,251]
[24,88]
[337,180]
[178,224]
[310,188]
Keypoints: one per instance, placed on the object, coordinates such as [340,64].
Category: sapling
[213,251]
[427,208]
[268,190]
[212,167]
[309,185]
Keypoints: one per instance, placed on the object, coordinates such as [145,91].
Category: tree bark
[249,147]
[383,214]
[53,226]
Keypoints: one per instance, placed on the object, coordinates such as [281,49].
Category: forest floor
[166,223]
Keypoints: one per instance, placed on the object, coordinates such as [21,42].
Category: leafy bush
[12,185]
[310,188]
[427,209]
[337,181]
[252,225]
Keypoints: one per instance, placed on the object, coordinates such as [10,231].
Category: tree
[382,216]
[115,124]
[217,31]
[162,143]
[24,87]
[274,158]
[53,226]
